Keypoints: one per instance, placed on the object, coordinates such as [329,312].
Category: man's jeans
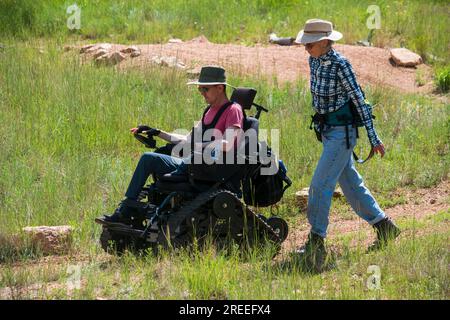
[336,164]
[150,163]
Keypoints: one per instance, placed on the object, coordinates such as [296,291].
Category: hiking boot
[386,231]
[313,254]
[121,215]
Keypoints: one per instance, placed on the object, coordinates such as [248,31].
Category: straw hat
[316,30]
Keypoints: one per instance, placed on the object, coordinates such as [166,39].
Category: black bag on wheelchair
[263,190]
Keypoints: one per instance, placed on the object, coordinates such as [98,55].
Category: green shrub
[442,79]
[18,17]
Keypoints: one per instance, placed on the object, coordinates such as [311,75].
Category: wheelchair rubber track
[188,211]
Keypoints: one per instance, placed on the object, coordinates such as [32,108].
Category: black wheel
[224,205]
[193,229]
[280,227]
[114,243]
[262,217]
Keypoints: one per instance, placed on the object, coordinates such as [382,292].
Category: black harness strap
[371,153]
[320,120]
[347,139]
[212,124]
[216,117]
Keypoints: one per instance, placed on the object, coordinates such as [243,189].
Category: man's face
[210,93]
[316,49]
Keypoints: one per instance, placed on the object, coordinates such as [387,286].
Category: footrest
[109,223]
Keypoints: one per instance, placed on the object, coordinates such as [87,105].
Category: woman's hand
[379,149]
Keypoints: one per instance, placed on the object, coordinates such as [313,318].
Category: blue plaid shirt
[333,83]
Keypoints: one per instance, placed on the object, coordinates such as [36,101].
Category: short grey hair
[330,44]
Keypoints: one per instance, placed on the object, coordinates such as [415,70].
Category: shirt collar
[327,56]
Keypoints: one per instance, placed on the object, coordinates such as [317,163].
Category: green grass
[67,157]
[65,130]
[442,79]
[412,268]
[67,154]
[420,26]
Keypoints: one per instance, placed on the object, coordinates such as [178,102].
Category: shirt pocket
[327,82]
[331,81]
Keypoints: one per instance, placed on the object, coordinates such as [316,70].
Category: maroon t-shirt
[231,117]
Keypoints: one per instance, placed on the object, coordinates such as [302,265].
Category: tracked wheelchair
[216,201]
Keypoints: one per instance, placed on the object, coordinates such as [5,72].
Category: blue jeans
[336,164]
[150,163]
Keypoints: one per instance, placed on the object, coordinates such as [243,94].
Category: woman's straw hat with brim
[316,30]
[211,75]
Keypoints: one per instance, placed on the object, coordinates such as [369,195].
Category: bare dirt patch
[419,204]
[287,63]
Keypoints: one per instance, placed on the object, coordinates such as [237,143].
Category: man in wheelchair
[199,190]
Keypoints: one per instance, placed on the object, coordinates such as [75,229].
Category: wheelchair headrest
[244,96]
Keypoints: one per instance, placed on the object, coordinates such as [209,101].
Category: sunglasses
[203,89]
[310,45]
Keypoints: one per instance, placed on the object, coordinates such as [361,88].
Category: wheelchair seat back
[223,171]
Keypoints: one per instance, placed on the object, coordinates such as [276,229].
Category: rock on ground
[171,62]
[135,54]
[273,38]
[106,53]
[405,58]
[51,240]
[100,53]
[130,49]
[285,63]
[110,58]
[176,40]
[133,51]
[302,197]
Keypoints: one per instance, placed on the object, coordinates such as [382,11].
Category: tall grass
[67,154]
[442,79]
[418,25]
[412,268]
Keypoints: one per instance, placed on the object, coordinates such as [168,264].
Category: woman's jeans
[151,163]
[336,164]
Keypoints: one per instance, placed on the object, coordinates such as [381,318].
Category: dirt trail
[419,204]
[287,63]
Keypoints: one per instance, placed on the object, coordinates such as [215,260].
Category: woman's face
[316,49]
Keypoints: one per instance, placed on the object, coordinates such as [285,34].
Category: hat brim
[304,38]
[206,83]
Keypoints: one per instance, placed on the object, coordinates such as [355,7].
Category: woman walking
[340,108]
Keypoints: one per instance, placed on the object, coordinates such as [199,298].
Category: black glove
[149,130]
